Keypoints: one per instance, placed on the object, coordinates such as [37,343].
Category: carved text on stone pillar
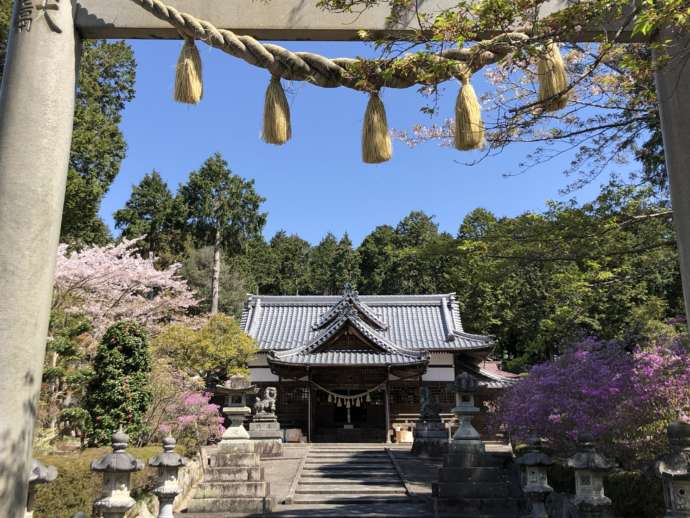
[46,7]
[24,16]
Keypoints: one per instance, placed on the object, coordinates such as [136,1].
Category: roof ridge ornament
[349,304]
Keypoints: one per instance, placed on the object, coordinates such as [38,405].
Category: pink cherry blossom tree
[113,282]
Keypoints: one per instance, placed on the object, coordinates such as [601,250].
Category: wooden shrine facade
[349,368]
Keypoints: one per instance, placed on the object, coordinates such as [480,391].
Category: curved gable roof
[402,322]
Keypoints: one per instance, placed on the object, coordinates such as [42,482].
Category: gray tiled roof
[359,359]
[411,322]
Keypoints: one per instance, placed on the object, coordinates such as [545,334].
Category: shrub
[119,393]
[625,400]
[76,486]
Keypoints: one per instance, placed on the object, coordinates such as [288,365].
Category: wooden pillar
[308,405]
[387,403]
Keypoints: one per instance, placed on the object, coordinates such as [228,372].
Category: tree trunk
[215,286]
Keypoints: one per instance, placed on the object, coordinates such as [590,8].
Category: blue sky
[316,183]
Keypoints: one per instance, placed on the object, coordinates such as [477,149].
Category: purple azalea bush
[624,400]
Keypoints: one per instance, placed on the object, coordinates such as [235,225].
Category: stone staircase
[351,480]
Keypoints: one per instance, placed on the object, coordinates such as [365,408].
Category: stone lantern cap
[466,383]
[235,385]
[168,459]
[587,458]
[676,463]
[41,474]
[534,454]
[119,460]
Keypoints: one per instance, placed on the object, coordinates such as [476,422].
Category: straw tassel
[469,128]
[376,141]
[552,79]
[277,129]
[189,87]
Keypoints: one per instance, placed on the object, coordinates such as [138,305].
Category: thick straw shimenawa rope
[321,71]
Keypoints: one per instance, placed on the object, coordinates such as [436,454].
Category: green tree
[376,255]
[119,392]
[5,16]
[345,267]
[224,212]
[290,255]
[106,84]
[218,350]
[197,268]
[152,211]
[321,261]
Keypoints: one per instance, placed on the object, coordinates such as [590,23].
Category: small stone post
[590,468]
[535,484]
[116,467]
[674,470]
[167,487]
[466,439]
[40,474]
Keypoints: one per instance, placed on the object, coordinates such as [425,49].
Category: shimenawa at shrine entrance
[36,116]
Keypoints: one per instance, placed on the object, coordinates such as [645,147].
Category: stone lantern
[167,487]
[235,391]
[590,468]
[535,484]
[40,474]
[116,467]
[466,438]
[674,470]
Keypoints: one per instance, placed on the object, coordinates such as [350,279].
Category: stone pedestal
[265,433]
[472,482]
[233,482]
[430,440]
[430,436]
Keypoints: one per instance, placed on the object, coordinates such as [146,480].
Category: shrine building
[349,368]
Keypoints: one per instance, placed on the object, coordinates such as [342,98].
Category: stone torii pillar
[36,112]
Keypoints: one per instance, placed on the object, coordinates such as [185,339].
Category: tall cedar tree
[119,392]
[223,212]
[152,211]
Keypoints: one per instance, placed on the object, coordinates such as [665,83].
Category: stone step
[473,490]
[322,481]
[352,498]
[373,510]
[347,465]
[347,456]
[346,489]
[472,475]
[469,506]
[221,505]
[232,490]
[230,474]
[340,471]
[251,460]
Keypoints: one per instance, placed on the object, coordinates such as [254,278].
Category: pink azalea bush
[624,400]
[113,282]
[193,420]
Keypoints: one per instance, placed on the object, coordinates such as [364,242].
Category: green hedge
[634,494]
[76,486]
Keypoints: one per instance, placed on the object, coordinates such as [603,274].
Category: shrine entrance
[349,405]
